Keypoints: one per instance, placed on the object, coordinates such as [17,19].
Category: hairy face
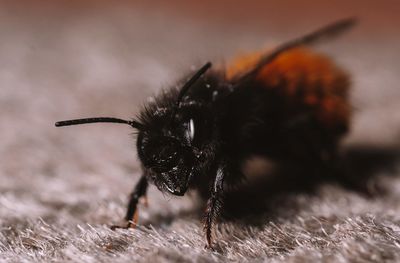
[170,161]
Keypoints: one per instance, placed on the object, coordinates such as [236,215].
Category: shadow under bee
[358,170]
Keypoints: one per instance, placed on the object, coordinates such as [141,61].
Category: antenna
[132,123]
[192,80]
[136,124]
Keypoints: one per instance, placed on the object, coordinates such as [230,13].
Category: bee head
[170,162]
[167,154]
[166,145]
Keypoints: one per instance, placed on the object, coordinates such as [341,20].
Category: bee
[290,103]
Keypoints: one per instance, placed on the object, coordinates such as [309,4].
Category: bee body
[290,104]
[299,90]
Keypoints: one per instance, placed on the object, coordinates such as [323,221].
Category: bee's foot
[209,247]
[126,226]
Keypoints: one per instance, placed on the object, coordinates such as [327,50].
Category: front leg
[132,212]
[214,205]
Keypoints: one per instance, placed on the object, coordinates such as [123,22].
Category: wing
[321,34]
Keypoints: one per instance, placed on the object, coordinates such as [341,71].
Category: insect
[289,103]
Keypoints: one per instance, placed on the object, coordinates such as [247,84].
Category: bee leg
[132,213]
[213,206]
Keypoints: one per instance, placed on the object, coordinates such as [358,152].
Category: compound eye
[189,133]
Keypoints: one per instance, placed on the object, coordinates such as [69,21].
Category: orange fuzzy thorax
[305,79]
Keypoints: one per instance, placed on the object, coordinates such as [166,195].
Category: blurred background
[71,59]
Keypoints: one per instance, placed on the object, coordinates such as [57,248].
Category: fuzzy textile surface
[60,189]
